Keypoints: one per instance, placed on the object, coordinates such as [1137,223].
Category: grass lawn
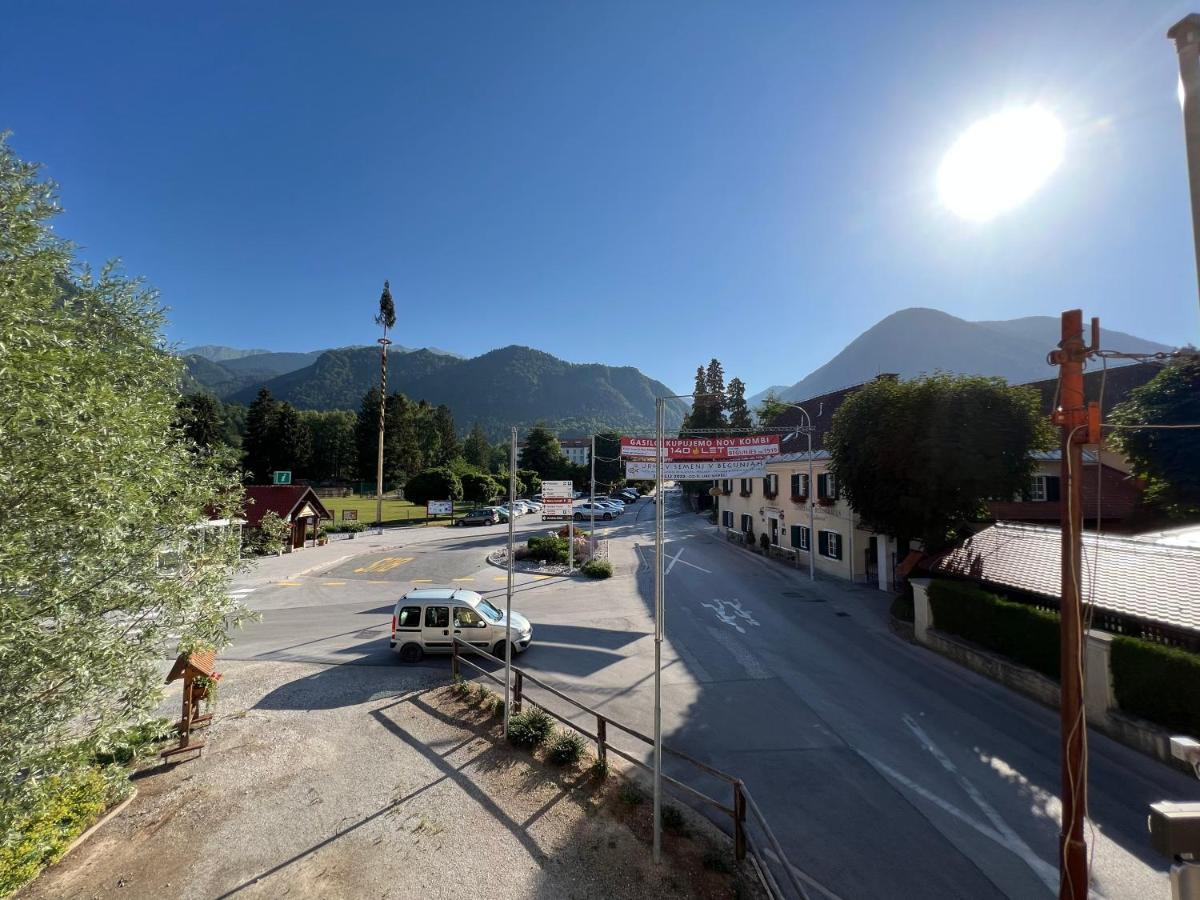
[395,512]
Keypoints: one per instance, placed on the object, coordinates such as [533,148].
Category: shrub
[1025,634]
[902,607]
[129,744]
[599,768]
[548,548]
[348,527]
[672,819]
[764,541]
[631,794]
[597,568]
[529,728]
[1158,683]
[565,747]
[272,533]
[51,813]
[716,861]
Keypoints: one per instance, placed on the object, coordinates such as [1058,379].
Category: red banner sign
[754,446]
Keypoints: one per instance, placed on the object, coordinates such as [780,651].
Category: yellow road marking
[463,579]
[542,577]
[333,583]
[422,581]
[289,583]
[385,565]
[500,578]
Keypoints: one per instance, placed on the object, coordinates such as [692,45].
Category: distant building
[577,450]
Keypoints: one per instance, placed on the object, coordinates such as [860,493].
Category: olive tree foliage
[102,572]
[1167,458]
[918,459]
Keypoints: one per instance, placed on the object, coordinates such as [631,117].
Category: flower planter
[799,498]
[826,501]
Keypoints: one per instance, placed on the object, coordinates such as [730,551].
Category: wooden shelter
[296,504]
[198,671]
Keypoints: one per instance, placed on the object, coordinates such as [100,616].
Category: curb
[98,824]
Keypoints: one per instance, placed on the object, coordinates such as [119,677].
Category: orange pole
[1071,414]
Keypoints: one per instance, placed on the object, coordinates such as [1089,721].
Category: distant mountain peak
[922,340]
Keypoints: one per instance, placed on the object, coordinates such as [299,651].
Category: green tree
[476,450]
[272,533]
[770,408]
[334,452]
[292,441]
[543,453]
[707,413]
[442,421]
[200,417]
[259,444]
[479,487]
[918,459]
[610,470]
[99,495]
[433,484]
[735,405]
[1168,459]
[530,482]
[233,423]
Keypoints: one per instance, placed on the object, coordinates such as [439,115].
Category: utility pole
[1079,425]
[512,516]
[386,318]
[592,505]
[660,608]
[1186,35]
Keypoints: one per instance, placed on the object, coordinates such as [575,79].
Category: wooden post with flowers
[198,671]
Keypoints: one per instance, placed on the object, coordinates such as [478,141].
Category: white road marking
[241,591]
[674,559]
[1009,838]
[729,611]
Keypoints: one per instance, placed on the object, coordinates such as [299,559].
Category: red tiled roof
[1131,578]
[282,499]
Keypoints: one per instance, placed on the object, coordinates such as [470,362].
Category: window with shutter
[829,544]
[823,543]
[800,537]
[747,524]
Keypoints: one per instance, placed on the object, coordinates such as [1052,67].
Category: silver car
[426,619]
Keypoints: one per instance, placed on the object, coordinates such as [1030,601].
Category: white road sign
[439,508]
[555,489]
[698,471]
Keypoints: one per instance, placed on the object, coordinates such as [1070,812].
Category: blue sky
[649,183]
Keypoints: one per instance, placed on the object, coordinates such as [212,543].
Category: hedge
[1157,683]
[1024,634]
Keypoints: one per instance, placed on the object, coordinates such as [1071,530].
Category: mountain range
[510,386]
[919,340]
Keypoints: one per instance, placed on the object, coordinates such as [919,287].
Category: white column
[922,615]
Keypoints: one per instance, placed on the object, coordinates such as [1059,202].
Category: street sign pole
[512,515]
[659,607]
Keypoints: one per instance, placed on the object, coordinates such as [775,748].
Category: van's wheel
[578,517]
[411,653]
[498,650]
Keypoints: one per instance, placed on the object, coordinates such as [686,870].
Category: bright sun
[1000,162]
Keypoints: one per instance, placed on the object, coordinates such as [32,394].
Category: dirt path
[352,781]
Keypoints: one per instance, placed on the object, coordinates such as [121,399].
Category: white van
[425,620]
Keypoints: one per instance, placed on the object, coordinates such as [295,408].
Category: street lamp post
[807,431]
[1186,35]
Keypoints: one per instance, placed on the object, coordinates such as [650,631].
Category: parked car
[425,620]
[486,516]
[608,504]
[584,510]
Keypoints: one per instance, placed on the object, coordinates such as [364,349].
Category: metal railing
[742,803]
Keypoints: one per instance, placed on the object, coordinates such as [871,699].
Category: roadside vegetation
[103,495]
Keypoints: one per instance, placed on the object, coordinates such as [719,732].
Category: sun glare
[1000,162]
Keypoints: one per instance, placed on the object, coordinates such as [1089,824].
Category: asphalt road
[886,770]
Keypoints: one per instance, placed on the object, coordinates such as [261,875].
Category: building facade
[778,506]
[577,450]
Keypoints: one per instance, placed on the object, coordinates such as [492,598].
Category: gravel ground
[355,781]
